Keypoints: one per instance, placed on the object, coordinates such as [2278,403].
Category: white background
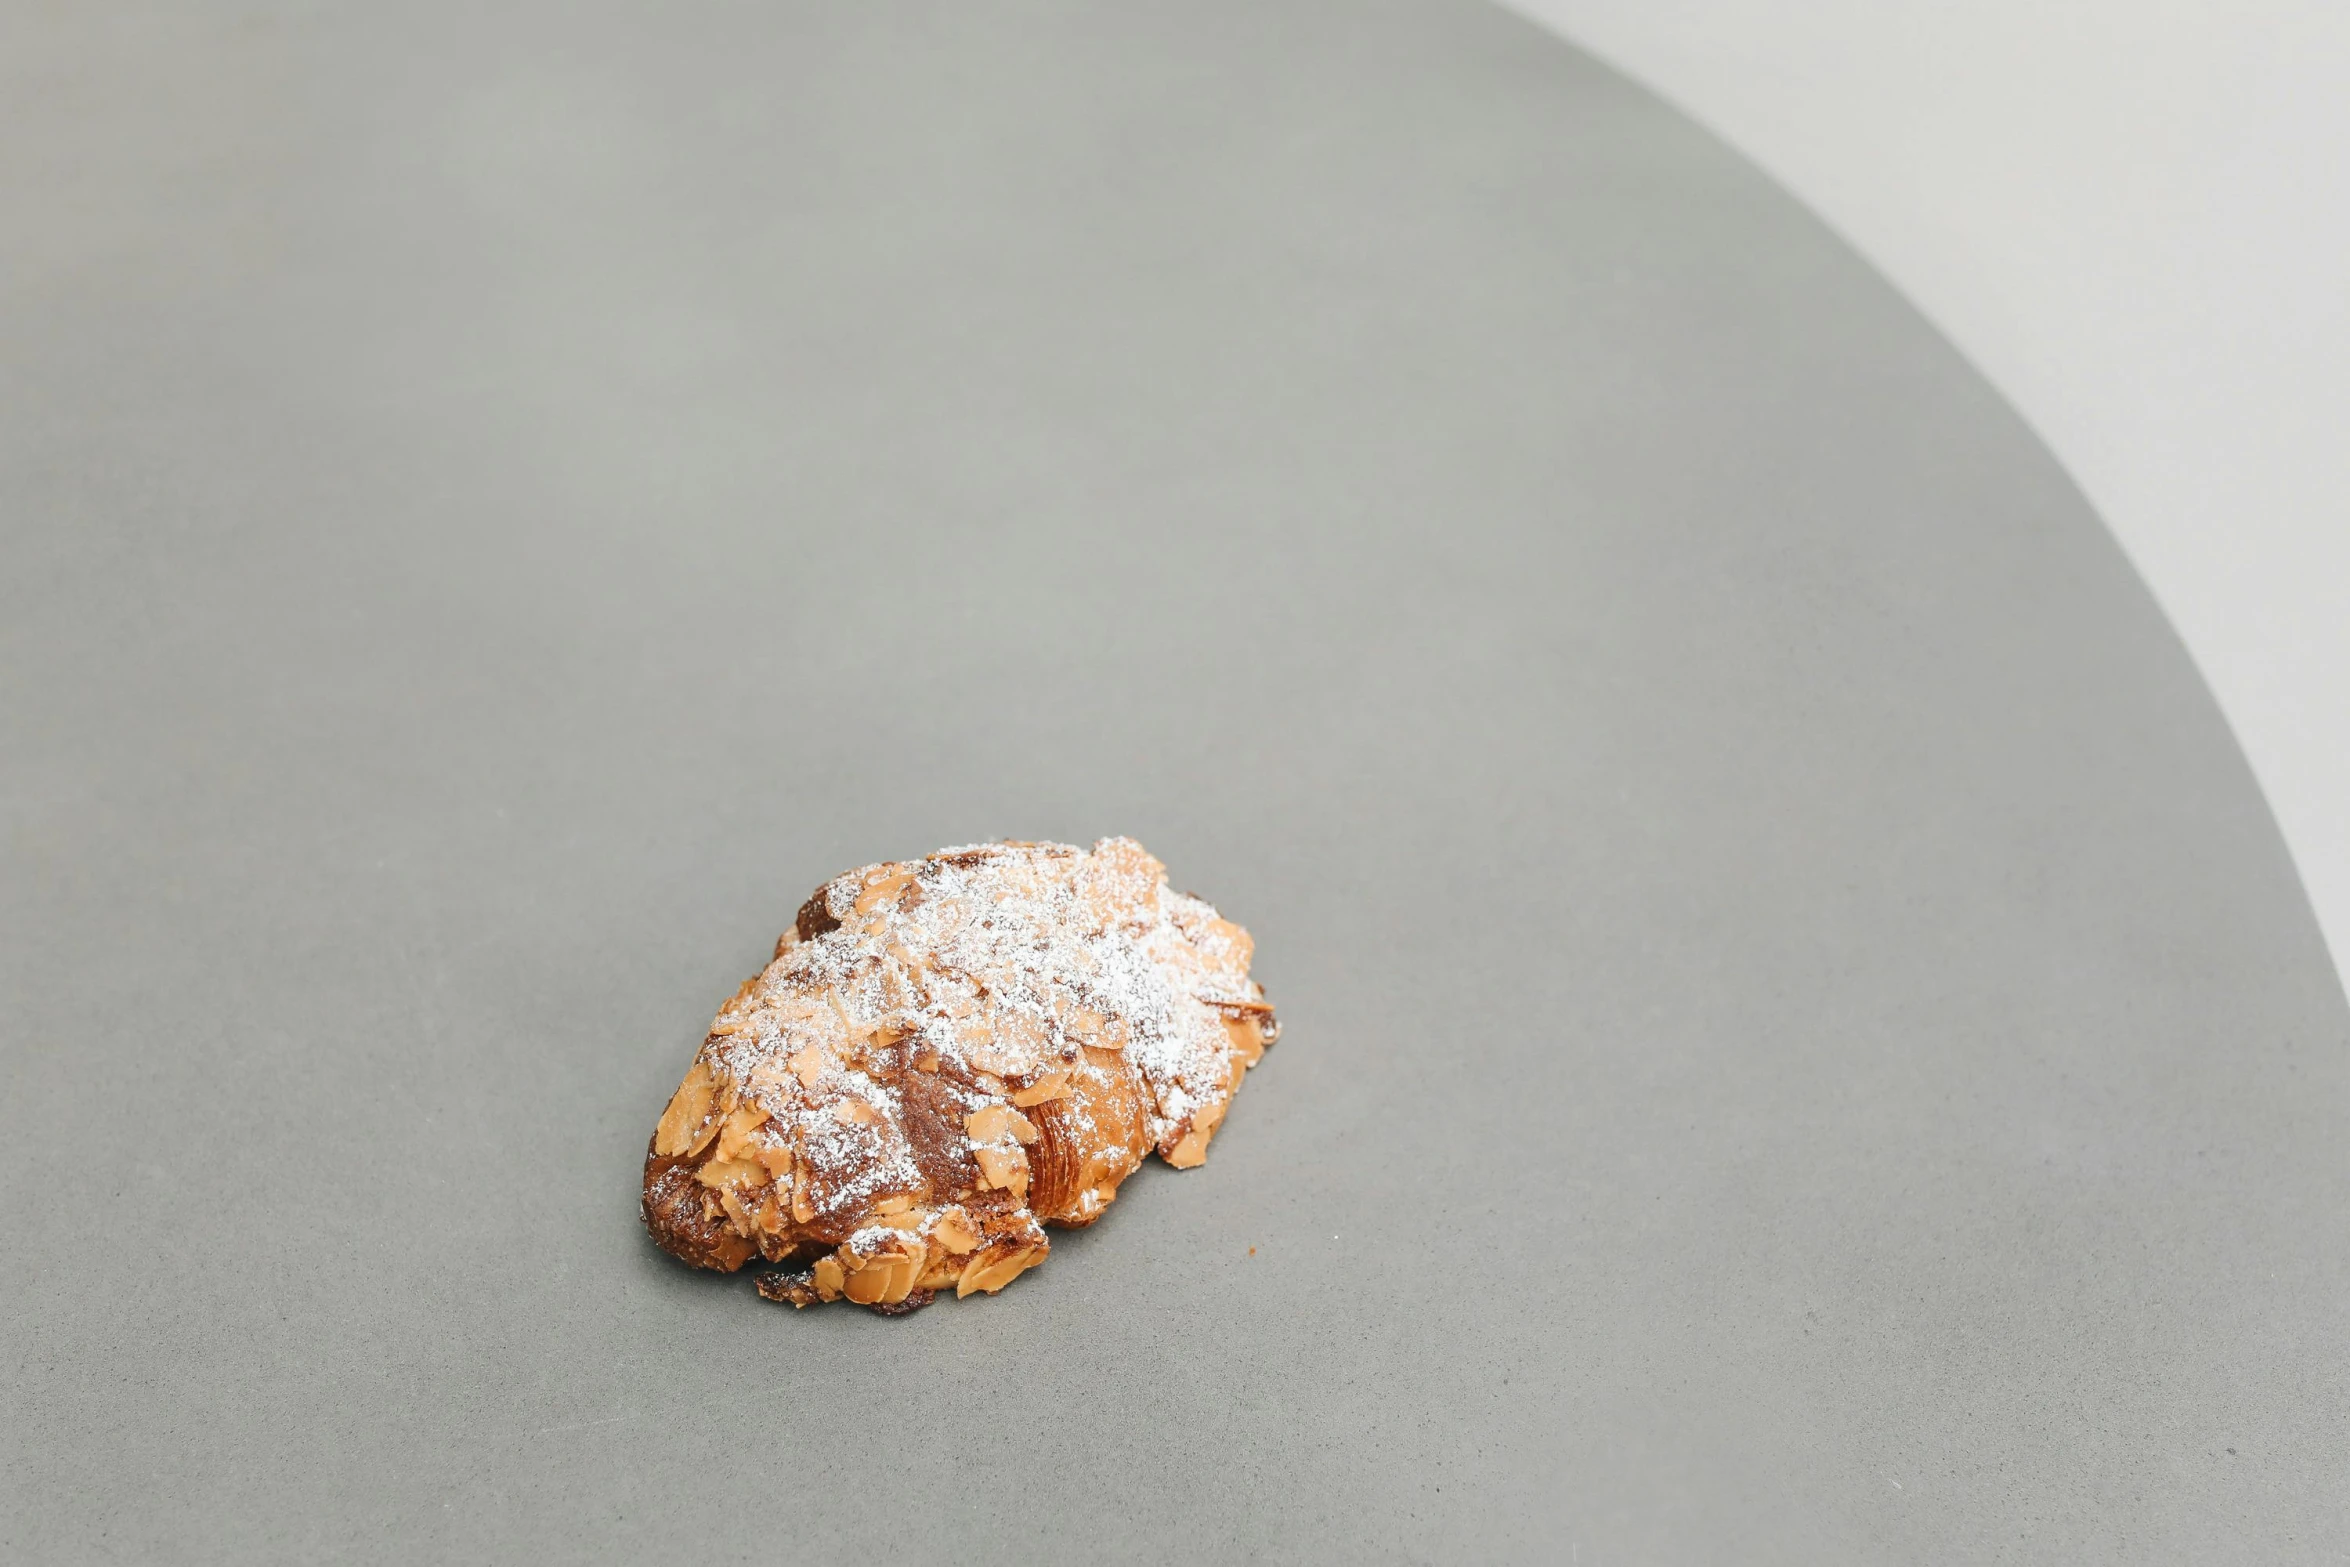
[2134,217]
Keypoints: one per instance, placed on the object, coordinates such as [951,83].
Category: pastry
[945,1056]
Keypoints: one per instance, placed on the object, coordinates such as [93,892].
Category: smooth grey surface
[1802,1041]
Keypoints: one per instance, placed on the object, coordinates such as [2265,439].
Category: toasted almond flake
[734,1135]
[998,1167]
[728,1174]
[1053,1085]
[990,1272]
[954,1231]
[689,1110]
[1018,1036]
[882,889]
[1192,1149]
[736,1213]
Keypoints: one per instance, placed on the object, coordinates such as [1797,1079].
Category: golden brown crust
[945,1055]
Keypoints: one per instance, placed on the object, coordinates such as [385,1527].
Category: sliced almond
[954,1231]
[1053,1085]
[1250,1008]
[1239,946]
[1193,1148]
[732,1174]
[740,1216]
[734,1136]
[991,1272]
[767,1078]
[866,1284]
[993,1123]
[882,889]
[1000,1167]
[1019,1035]
[807,1064]
[988,1059]
[684,1122]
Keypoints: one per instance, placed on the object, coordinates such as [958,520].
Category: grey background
[2133,216]
[1802,1039]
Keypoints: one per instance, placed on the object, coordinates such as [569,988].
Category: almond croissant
[946,1055]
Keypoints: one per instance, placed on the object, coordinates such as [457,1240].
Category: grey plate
[1802,1042]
